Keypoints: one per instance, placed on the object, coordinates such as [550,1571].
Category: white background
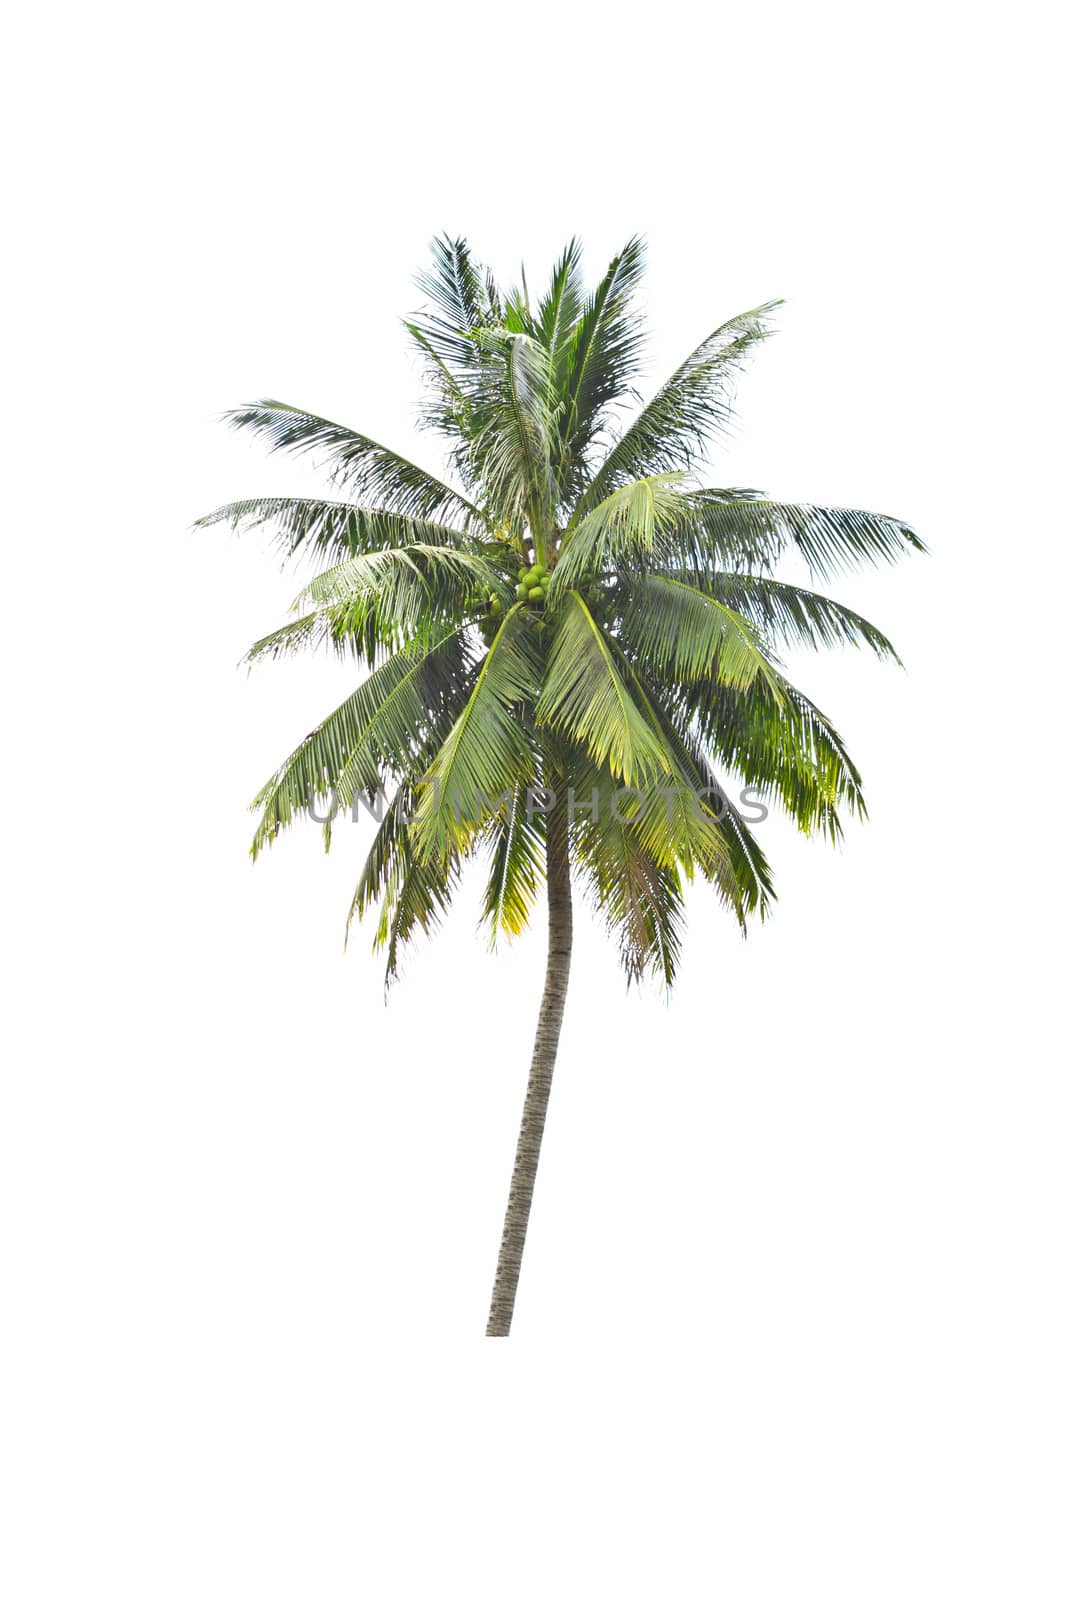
[791,1320]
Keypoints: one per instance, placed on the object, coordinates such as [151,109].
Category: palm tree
[570,645]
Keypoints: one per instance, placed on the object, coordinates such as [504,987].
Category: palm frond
[387,596]
[748,888]
[487,751]
[329,527]
[795,616]
[694,406]
[735,532]
[585,698]
[326,625]
[639,900]
[375,732]
[412,893]
[604,353]
[518,867]
[683,821]
[686,634]
[559,311]
[463,308]
[441,574]
[513,425]
[365,467]
[419,891]
[667,817]
[633,524]
[460,301]
[382,856]
[783,748]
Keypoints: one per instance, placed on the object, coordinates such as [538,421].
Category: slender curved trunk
[539,1086]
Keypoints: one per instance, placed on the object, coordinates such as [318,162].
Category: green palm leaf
[585,698]
[686,634]
[333,625]
[631,525]
[639,900]
[785,747]
[748,888]
[733,531]
[604,352]
[461,305]
[692,407]
[513,428]
[487,751]
[559,311]
[518,867]
[681,821]
[392,595]
[362,465]
[795,616]
[329,527]
[411,893]
[375,732]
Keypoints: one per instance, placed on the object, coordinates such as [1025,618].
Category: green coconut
[537,593]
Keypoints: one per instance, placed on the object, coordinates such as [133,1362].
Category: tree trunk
[540,1082]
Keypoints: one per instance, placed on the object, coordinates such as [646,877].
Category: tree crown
[576,617]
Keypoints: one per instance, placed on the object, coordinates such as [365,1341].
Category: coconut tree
[570,646]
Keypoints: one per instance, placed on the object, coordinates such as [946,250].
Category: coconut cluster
[532,588]
[534,584]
